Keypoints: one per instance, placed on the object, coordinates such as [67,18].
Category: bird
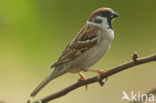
[87,48]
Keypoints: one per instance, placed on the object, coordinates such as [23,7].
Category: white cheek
[104,22]
[94,24]
[103,25]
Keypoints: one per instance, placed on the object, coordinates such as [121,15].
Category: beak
[115,15]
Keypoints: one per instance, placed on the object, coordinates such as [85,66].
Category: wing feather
[84,40]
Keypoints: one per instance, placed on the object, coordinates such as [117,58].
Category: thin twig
[121,67]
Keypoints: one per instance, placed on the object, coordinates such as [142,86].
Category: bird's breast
[91,56]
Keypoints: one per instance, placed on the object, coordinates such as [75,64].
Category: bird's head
[103,17]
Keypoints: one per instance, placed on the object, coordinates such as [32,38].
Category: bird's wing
[84,40]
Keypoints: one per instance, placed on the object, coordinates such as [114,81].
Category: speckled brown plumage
[74,49]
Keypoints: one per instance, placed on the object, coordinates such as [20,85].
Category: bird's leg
[82,77]
[100,72]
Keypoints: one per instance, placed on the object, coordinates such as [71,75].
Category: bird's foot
[100,72]
[82,77]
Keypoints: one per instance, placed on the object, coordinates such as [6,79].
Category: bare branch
[114,70]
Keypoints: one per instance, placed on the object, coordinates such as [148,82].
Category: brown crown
[98,11]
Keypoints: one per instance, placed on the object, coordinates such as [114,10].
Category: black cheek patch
[98,21]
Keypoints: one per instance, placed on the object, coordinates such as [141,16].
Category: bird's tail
[52,76]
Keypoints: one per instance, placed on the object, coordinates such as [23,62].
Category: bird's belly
[90,57]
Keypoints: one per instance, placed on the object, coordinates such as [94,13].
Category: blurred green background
[33,34]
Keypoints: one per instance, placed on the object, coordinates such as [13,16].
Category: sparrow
[87,48]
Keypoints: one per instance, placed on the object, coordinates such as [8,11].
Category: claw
[100,72]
